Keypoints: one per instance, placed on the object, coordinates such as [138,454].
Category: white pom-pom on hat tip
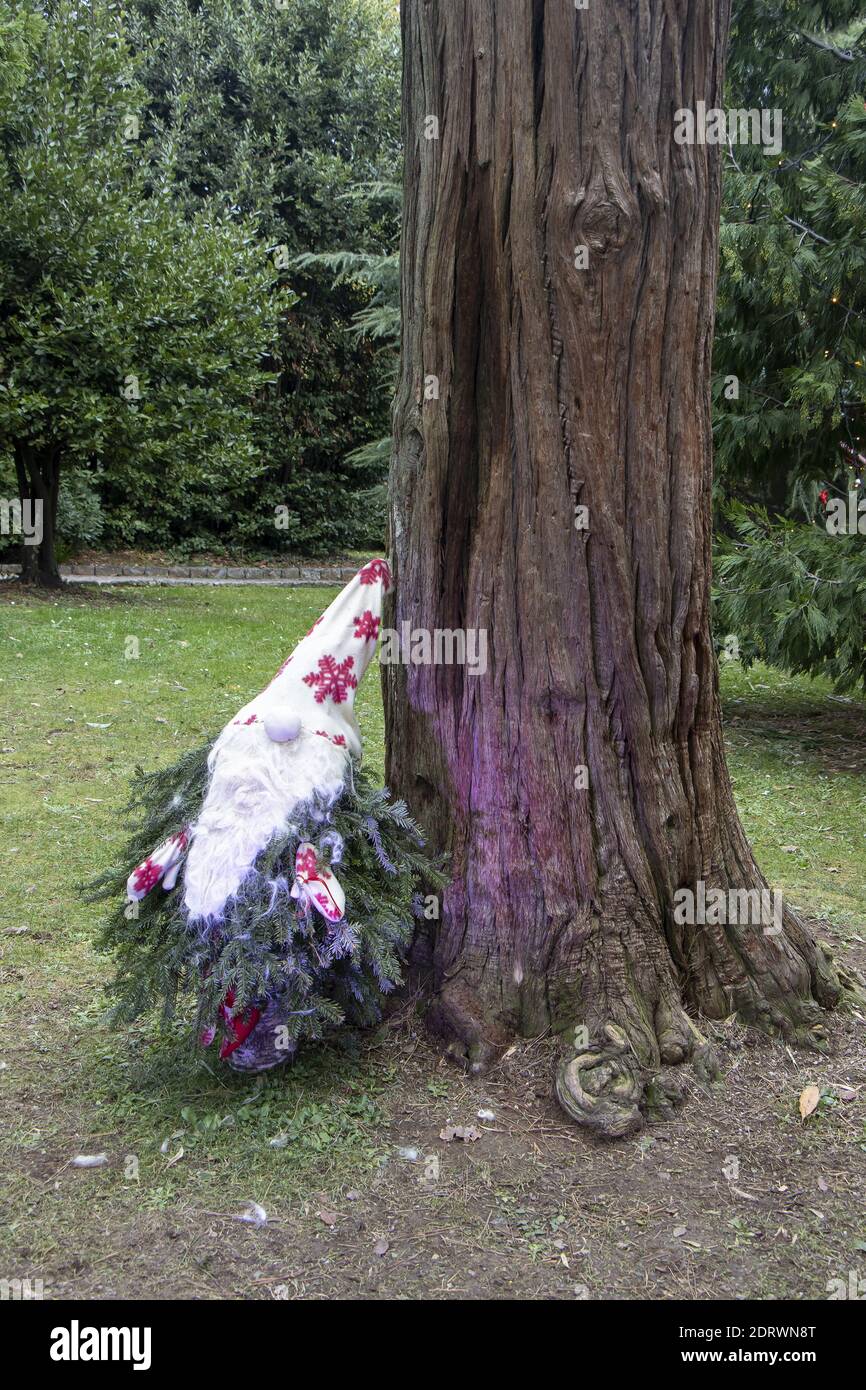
[282,728]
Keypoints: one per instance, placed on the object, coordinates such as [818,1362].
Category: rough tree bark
[559,388]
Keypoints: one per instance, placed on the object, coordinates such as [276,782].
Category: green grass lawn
[79,713]
[797,758]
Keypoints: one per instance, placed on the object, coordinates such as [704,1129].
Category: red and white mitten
[162,866]
[317,886]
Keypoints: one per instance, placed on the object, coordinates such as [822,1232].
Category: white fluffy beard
[255,785]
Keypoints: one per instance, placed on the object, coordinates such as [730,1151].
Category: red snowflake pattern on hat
[376,569]
[333,680]
[367,625]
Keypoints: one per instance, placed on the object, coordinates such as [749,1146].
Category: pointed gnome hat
[292,741]
[314,688]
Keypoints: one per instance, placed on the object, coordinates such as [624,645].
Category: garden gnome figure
[285,758]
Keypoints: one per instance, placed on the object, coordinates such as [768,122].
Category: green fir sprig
[264,946]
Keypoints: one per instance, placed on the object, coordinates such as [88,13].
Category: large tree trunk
[561,388]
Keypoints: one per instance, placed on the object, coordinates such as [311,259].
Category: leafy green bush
[80,518]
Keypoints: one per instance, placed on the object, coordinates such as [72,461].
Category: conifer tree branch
[845,55]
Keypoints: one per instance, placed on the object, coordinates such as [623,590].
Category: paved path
[289,576]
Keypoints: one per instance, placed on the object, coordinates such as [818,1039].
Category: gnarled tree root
[634,1061]
[605,1089]
[601,1088]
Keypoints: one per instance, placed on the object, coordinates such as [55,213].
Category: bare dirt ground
[737,1197]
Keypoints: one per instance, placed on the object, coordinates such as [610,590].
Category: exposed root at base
[606,1090]
[601,1089]
[614,1076]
